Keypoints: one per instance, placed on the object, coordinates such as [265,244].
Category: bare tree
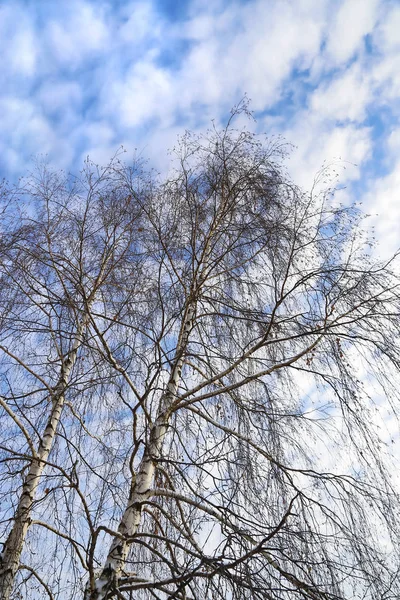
[54,267]
[220,438]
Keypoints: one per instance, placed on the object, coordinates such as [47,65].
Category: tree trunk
[142,483]
[12,548]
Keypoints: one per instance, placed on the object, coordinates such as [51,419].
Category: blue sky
[80,77]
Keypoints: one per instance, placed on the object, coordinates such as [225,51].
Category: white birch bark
[143,483]
[12,548]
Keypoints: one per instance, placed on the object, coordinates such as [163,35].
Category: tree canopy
[191,369]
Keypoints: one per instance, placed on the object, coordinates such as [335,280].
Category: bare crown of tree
[192,370]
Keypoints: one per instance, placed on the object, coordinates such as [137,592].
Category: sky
[82,78]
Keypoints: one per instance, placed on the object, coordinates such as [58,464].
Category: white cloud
[387,36]
[135,96]
[99,141]
[385,71]
[382,201]
[345,97]
[319,142]
[24,132]
[252,49]
[79,33]
[394,142]
[142,23]
[347,27]
[23,53]
[146,92]
[18,43]
[58,95]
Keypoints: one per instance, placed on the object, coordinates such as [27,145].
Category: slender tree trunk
[143,482]
[12,548]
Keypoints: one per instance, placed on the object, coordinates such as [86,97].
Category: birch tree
[54,267]
[223,437]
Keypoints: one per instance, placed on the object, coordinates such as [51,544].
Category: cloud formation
[83,77]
